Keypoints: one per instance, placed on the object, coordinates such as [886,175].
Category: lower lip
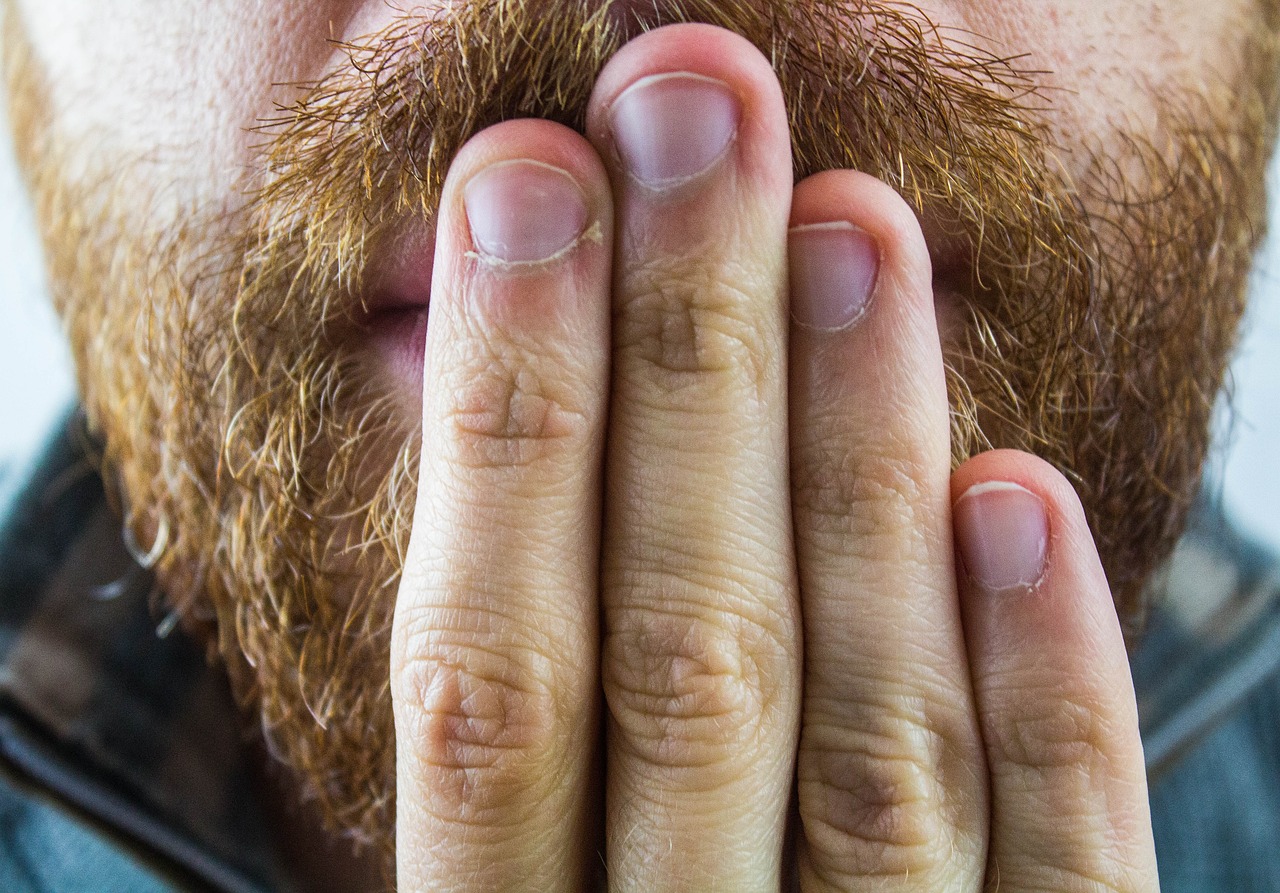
[398,338]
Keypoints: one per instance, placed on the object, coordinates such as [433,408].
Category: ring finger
[892,791]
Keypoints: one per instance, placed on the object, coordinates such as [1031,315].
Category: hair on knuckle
[688,693]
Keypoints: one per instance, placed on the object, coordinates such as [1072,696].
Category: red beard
[271,473]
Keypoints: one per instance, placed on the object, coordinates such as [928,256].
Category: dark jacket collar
[106,706]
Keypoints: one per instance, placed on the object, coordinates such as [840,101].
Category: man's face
[236,200]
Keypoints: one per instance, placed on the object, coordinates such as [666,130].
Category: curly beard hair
[269,477]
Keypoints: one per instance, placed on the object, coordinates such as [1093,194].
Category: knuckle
[1049,751]
[505,414]
[695,332]
[875,808]
[847,494]
[687,693]
[1043,734]
[483,726]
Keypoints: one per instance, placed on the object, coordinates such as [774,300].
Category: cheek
[1108,66]
[165,91]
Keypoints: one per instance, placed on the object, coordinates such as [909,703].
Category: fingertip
[1066,529]
[548,167]
[1002,530]
[535,139]
[863,307]
[1018,467]
[1031,576]
[756,130]
[524,202]
[875,208]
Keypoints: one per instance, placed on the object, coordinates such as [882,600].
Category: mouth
[398,337]
[392,313]
[951,255]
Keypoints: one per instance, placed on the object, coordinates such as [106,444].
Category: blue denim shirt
[1208,682]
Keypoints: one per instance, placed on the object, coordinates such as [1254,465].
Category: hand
[944,727]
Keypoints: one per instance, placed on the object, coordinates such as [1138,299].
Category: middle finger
[701,653]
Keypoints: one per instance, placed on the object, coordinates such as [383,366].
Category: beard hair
[271,478]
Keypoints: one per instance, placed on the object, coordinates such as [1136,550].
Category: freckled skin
[139,80]
[1091,53]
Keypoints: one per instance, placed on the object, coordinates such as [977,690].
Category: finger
[494,644]
[701,646]
[1051,676]
[891,794]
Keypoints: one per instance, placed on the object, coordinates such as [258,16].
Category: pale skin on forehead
[173,85]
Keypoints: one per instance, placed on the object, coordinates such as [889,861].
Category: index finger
[494,644]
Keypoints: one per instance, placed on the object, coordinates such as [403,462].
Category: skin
[240,57]
[940,735]
[928,712]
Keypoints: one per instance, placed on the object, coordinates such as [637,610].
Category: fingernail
[833,272]
[524,211]
[1003,533]
[670,128]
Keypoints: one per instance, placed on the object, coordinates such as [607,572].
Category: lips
[394,309]
[399,275]
[392,315]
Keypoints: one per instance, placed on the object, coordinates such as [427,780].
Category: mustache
[873,86]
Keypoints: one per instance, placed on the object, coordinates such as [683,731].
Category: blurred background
[36,384]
